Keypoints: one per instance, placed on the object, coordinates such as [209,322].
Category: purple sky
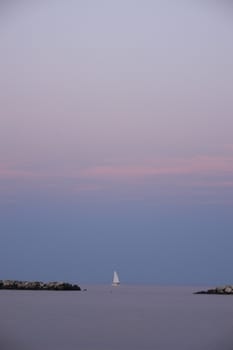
[116,141]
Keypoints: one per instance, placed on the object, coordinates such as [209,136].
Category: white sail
[115,281]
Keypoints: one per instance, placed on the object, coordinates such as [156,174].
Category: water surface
[120,318]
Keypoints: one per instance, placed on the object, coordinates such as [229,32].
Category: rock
[8,284]
[225,290]
[201,292]
[220,290]
[228,290]
[36,285]
[212,291]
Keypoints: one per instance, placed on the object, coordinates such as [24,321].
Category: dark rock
[225,290]
[35,285]
[220,290]
[201,292]
[212,291]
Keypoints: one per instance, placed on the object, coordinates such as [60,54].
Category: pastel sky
[116,141]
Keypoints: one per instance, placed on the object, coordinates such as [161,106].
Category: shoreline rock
[224,290]
[37,285]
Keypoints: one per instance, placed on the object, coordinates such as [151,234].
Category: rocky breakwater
[225,290]
[35,285]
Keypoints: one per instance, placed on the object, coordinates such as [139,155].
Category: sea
[116,318]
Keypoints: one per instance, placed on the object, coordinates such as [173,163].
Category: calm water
[124,318]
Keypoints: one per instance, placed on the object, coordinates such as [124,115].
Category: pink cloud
[9,173]
[206,176]
[201,165]
[197,165]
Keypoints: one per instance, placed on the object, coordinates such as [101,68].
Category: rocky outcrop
[35,285]
[225,290]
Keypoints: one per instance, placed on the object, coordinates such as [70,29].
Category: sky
[116,141]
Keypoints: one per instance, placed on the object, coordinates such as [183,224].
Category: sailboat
[115,281]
